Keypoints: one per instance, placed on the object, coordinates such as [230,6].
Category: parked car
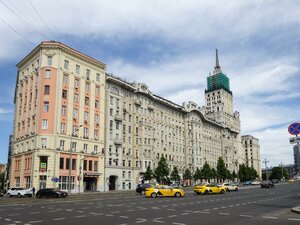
[209,189]
[275,181]
[247,182]
[229,186]
[1,193]
[255,182]
[267,184]
[51,193]
[140,188]
[164,191]
[176,185]
[291,180]
[19,192]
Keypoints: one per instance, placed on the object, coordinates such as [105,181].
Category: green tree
[175,174]
[162,171]
[234,175]
[197,175]
[187,175]
[149,174]
[278,172]
[206,171]
[214,173]
[221,169]
[228,174]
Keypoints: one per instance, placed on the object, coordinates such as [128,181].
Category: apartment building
[59,120]
[252,152]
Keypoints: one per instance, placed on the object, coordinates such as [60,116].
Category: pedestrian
[33,191]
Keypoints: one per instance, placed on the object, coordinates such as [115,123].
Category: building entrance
[112,183]
[90,183]
[43,179]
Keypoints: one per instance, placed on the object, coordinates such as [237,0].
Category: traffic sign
[43,165]
[294,128]
[55,179]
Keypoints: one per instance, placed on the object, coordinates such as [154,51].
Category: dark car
[275,181]
[267,184]
[1,193]
[140,188]
[247,182]
[51,193]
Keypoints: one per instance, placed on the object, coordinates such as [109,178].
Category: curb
[296,209]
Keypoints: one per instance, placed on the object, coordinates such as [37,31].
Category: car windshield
[19,189]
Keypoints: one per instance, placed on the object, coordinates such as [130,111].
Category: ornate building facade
[77,127]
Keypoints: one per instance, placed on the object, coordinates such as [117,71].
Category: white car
[229,186]
[255,182]
[19,192]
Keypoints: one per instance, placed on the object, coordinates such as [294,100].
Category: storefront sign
[91,174]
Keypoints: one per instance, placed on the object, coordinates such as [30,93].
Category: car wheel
[177,194]
[227,189]
[142,192]
[206,192]
[56,195]
[153,195]
[222,192]
[38,195]
[9,195]
[19,195]
[236,189]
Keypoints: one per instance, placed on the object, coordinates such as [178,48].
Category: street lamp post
[70,156]
[265,162]
[281,172]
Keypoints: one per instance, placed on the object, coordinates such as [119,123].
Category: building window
[97,91]
[124,174]
[17,181]
[61,163]
[98,77]
[49,60]
[90,165]
[64,182]
[96,104]
[44,124]
[48,74]
[47,90]
[86,116]
[66,64]
[76,83]
[85,132]
[87,87]
[85,147]
[95,166]
[46,106]
[96,134]
[75,113]
[129,163]
[86,101]
[65,79]
[27,182]
[85,165]
[77,69]
[73,164]
[96,118]
[111,100]
[64,94]
[44,142]
[63,110]
[88,72]
[74,144]
[109,161]
[62,145]
[76,98]
[129,174]
[63,128]
[123,162]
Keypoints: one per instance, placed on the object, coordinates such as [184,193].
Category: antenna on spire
[217,60]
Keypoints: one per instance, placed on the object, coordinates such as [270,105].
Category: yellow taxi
[164,191]
[206,189]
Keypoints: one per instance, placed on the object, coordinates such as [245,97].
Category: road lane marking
[225,214]
[248,216]
[183,214]
[270,217]
[125,217]
[178,223]
[63,218]
[140,220]
[172,216]
[109,215]
[215,208]
[36,221]
[80,216]
[294,219]
[171,209]
[7,219]
[34,212]
[16,214]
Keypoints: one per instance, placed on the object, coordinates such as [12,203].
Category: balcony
[118,118]
[118,141]
[151,106]
[138,102]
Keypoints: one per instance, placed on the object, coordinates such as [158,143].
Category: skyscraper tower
[218,97]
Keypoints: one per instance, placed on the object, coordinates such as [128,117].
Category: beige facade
[59,103]
[251,148]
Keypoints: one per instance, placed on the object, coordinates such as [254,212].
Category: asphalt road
[247,206]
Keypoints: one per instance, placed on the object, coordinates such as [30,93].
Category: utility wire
[40,17]
[31,43]
[23,20]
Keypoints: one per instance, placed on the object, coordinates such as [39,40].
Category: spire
[217,60]
[217,67]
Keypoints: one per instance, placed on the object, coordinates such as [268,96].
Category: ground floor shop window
[64,182]
[17,179]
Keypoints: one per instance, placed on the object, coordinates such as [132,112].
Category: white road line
[172,216]
[125,217]
[115,212]
[171,209]
[140,220]
[17,222]
[109,215]
[16,214]
[130,210]
[206,212]
[60,218]
[36,221]
[270,217]
[34,212]
[80,216]
[294,219]
[225,214]
[178,223]
[7,219]
[248,216]
[215,208]
[183,214]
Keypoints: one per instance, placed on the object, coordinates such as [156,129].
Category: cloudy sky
[170,45]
